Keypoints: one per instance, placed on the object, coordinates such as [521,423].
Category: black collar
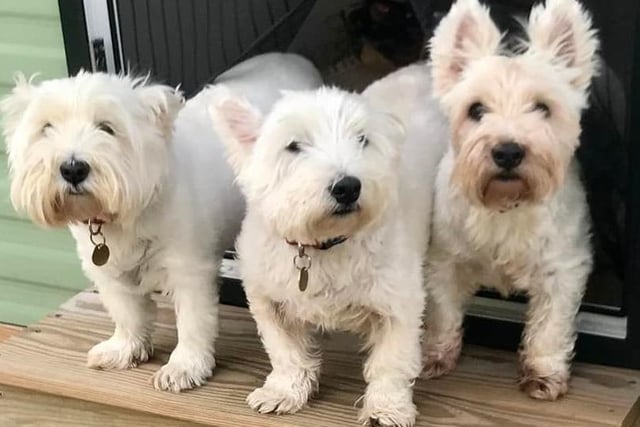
[323,246]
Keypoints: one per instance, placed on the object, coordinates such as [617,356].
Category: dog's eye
[46,127]
[106,128]
[543,108]
[293,147]
[363,140]
[476,111]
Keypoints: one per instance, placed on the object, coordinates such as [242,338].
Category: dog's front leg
[446,302]
[550,335]
[133,314]
[391,368]
[195,297]
[294,358]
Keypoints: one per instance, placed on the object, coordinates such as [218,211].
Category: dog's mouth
[507,176]
[76,191]
[343,210]
[504,189]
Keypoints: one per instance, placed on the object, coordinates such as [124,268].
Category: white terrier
[330,185]
[150,181]
[510,210]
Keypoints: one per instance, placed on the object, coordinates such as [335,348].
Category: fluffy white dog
[510,210]
[147,193]
[335,232]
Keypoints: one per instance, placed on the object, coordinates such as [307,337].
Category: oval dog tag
[303,279]
[100,254]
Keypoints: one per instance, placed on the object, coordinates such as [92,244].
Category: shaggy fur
[522,229]
[372,284]
[160,183]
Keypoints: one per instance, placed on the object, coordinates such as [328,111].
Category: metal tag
[302,262]
[100,254]
[303,279]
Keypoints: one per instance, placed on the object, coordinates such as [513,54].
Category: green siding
[38,268]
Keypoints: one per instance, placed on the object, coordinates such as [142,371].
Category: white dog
[510,210]
[335,232]
[149,181]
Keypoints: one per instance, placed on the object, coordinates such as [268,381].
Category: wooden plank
[19,407]
[7,331]
[50,357]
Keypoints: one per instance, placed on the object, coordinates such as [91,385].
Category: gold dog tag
[100,254]
[302,263]
[303,279]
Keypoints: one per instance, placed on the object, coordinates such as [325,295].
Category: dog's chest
[338,293]
[501,251]
[134,260]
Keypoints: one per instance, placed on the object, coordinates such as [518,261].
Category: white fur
[541,247]
[162,184]
[372,283]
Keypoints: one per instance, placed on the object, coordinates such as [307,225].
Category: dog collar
[94,221]
[323,246]
[302,261]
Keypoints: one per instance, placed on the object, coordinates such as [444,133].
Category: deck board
[7,331]
[49,357]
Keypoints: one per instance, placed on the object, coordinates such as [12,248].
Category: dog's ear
[561,32]
[465,34]
[237,123]
[163,102]
[14,105]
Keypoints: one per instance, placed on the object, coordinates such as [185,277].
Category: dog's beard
[483,184]
[314,224]
[115,189]
[83,207]
[59,206]
[50,202]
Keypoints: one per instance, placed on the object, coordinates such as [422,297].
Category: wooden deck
[44,381]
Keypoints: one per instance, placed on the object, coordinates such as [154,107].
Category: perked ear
[237,123]
[561,32]
[465,34]
[15,104]
[163,102]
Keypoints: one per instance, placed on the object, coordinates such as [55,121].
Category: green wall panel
[39,268]
[6,210]
[29,302]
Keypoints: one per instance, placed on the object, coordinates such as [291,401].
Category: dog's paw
[116,353]
[284,392]
[183,372]
[388,406]
[271,399]
[549,387]
[175,378]
[435,367]
[440,359]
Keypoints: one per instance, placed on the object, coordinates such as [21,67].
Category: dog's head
[94,146]
[321,164]
[515,118]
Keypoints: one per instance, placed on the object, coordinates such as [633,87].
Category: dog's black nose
[74,171]
[346,190]
[507,155]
